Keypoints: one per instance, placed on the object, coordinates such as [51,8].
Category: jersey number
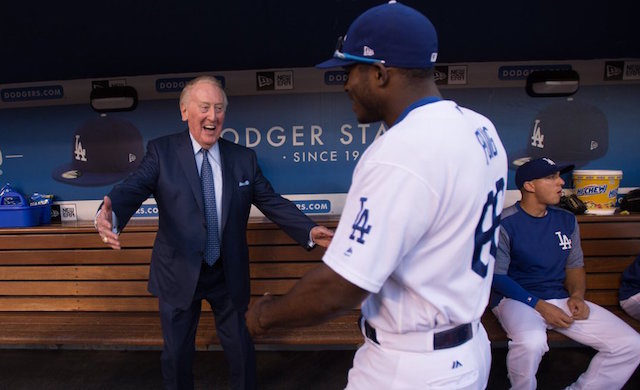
[483,237]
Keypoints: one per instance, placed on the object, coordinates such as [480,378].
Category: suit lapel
[227,180]
[187,160]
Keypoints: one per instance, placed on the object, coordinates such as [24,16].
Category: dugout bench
[60,286]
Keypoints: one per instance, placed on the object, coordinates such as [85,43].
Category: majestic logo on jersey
[565,242]
[537,139]
[360,224]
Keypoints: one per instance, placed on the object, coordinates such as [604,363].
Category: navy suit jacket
[169,173]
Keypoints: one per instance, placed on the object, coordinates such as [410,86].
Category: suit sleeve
[280,210]
[127,196]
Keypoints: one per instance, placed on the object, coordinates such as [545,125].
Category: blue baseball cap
[567,131]
[103,151]
[539,168]
[392,34]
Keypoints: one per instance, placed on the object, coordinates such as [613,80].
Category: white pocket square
[243,183]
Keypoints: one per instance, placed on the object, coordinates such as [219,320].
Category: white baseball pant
[618,344]
[465,367]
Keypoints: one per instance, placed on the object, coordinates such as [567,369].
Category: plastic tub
[598,189]
[15,211]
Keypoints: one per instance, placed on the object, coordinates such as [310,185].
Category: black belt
[441,340]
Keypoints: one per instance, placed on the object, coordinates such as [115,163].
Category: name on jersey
[487,143]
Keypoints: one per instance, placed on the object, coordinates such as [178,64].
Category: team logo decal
[565,242]
[537,138]
[361,223]
[80,152]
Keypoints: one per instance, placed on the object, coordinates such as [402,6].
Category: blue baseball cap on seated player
[392,34]
[537,169]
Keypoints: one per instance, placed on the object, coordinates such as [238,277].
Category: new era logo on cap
[368,52]
[104,151]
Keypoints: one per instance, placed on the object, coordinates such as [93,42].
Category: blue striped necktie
[212,249]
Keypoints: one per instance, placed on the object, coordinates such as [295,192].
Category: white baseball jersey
[419,227]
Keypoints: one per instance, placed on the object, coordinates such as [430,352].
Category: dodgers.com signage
[45,92]
[520,72]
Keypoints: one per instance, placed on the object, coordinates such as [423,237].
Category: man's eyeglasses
[350,57]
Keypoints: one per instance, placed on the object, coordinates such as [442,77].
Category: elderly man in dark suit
[204,187]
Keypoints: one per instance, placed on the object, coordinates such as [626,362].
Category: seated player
[539,283]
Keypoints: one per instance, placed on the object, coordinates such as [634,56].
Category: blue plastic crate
[15,211]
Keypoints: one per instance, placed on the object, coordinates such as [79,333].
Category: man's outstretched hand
[321,235]
[104,225]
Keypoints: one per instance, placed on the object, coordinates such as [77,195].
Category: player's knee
[628,345]
[633,345]
[532,342]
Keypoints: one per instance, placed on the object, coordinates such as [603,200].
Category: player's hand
[321,235]
[252,315]
[553,315]
[578,308]
[104,225]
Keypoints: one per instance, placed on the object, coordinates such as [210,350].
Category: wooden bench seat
[60,286]
[142,329]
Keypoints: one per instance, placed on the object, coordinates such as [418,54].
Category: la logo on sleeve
[361,223]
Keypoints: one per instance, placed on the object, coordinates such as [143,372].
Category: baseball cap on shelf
[567,132]
[392,34]
[103,151]
[539,168]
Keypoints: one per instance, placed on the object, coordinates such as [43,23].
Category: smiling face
[358,88]
[203,108]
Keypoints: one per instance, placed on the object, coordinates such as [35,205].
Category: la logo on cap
[81,153]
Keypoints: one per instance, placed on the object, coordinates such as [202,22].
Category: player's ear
[381,73]
[528,186]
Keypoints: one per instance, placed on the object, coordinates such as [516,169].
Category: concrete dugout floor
[306,370]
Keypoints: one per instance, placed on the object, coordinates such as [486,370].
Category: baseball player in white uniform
[416,241]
